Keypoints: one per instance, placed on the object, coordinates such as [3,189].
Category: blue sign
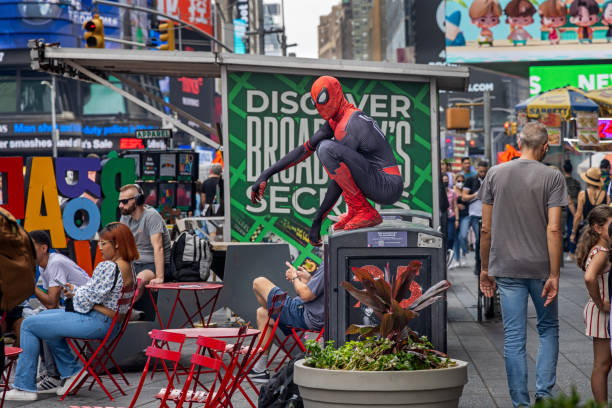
[53,21]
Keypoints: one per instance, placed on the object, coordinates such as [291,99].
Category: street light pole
[54,135]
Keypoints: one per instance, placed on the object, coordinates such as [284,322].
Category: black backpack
[190,258]
[281,391]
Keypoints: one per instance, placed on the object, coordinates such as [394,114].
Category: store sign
[195,12]
[271,114]
[47,179]
[154,134]
[587,77]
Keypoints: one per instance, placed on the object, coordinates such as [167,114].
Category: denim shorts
[292,314]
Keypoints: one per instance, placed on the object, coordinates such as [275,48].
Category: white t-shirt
[60,270]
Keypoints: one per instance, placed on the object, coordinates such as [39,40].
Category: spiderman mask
[328,98]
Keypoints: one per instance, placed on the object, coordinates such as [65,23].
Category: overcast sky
[301,21]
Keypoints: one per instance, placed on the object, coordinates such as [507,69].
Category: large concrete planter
[439,388]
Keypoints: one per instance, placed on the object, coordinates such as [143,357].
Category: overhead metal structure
[207,64]
[96,65]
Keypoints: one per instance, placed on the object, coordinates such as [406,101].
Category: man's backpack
[190,258]
[281,391]
[17,262]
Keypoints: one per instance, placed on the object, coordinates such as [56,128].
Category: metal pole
[180,33]
[54,135]
[127,42]
[284,37]
[487,126]
[260,28]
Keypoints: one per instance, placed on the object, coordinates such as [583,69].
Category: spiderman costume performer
[356,156]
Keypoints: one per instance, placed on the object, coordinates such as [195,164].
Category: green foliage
[376,354]
[395,347]
[567,401]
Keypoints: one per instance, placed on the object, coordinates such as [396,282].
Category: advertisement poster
[270,114]
[150,165]
[527,30]
[587,129]
[554,136]
[586,77]
[167,166]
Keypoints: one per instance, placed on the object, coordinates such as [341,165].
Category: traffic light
[514,128]
[507,128]
[166,35]
[94,32]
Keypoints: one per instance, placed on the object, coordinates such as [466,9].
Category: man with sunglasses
[151,234]
[355,154]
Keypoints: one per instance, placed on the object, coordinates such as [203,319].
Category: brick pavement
[481,344]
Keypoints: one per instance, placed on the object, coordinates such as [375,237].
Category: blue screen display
[52,20]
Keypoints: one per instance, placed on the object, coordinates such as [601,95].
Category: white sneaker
[62,390]
[453,265]
[20,395]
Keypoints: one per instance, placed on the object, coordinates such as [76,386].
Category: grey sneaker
[48,385]
[262,377]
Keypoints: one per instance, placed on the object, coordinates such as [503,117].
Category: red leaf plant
[387,300]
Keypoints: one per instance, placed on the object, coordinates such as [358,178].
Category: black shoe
[262,377]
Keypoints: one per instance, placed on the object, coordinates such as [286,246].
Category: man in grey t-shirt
[521,247]
[151,234]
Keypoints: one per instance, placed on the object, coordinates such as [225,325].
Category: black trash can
[384,249]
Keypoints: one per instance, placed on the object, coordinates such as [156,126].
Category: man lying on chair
[306,310]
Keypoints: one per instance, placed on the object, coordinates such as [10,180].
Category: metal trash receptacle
[386,247]
[414,216]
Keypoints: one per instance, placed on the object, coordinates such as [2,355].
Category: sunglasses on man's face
[126,200]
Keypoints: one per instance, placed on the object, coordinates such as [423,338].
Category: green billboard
[270,114]
[587,77]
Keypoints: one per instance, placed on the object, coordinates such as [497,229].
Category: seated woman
[94,306]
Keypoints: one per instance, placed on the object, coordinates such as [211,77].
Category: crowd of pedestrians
[524,215]
[464,212]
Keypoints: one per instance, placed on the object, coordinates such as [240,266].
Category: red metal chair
[213,396]
[160,349]
[95,360]
[278,301]
[11,354]
[290,342]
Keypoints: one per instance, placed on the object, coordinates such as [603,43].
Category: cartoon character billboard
[528,30]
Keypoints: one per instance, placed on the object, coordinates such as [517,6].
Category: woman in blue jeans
[94,305]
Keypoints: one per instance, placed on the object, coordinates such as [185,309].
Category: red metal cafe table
[214,332]
[197,288]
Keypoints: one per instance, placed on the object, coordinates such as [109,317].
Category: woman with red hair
[94,305]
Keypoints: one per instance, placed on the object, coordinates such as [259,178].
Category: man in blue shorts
[306,310]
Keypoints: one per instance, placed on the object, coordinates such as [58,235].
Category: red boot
[347,217]
[363,214]
[366,215]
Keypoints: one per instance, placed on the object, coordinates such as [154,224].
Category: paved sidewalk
[481,344]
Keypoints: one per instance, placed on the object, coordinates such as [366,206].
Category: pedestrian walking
[520,244]
[452,214]
[470,195]
[461,236]
[573,189]
[588,199]
[592,257]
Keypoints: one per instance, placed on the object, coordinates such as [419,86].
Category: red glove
[257,191]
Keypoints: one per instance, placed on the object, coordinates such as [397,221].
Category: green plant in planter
[391,345]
